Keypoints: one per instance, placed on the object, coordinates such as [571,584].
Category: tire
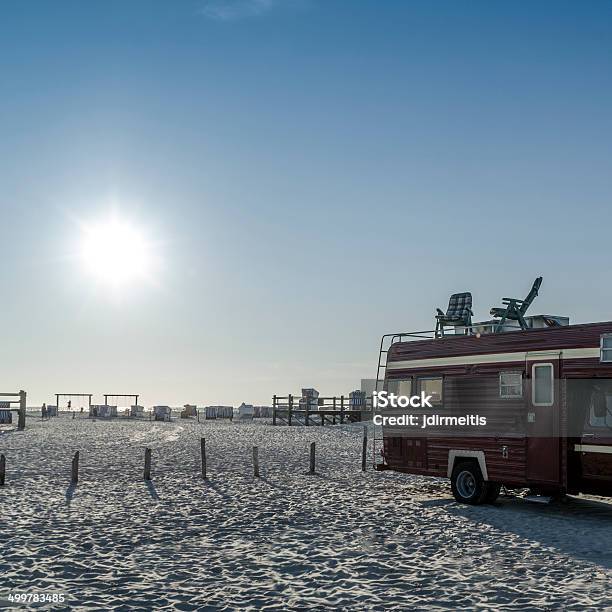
[493,489]
[467,483]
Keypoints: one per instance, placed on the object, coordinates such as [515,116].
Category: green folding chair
[514,310]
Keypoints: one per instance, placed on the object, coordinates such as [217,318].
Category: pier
[336,410]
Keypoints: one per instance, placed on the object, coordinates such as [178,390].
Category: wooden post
[2,469]
[147,467]
[364,449]
[75,468]
[341,409]
[274,410]
[22,410]
[312,457]
[290,410]
[203,452]
[255,462]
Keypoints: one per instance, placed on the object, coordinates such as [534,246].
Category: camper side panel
[472,390]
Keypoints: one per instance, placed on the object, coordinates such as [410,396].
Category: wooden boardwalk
[290,410]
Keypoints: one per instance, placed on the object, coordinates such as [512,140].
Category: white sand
[340,539]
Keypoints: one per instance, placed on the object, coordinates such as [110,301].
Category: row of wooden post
[255,459]
[74,472]
[74,476]
[364,450]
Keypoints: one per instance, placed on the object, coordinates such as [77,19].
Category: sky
[308,175]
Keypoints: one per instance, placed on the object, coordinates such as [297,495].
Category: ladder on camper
[386,342]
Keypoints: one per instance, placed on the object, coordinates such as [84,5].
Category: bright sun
[116,252]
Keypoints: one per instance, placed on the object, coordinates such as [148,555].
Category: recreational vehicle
[543,388]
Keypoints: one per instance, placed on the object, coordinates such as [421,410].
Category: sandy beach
[340,539]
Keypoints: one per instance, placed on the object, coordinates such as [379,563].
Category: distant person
[69,404]
[44,411]
[81,409]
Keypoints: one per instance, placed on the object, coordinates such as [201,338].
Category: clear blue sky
[315,173]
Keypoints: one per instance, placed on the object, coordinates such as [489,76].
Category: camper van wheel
[467,483]
[493,489]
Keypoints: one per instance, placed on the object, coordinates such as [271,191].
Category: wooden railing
[21,401]
[291,409]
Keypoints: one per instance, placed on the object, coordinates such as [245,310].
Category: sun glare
[116,253]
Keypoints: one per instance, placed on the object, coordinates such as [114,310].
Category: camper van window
[606,348]
[510,385]
[400,387]
[431,386]
[599,420]
[543,394]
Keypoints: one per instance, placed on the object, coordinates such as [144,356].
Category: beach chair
[459,312]
[514,310]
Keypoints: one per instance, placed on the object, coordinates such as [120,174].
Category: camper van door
[543,418]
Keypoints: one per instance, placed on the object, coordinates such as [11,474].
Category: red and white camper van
[546,394]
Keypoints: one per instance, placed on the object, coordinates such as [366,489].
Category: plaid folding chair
[515,309]
[459,312]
